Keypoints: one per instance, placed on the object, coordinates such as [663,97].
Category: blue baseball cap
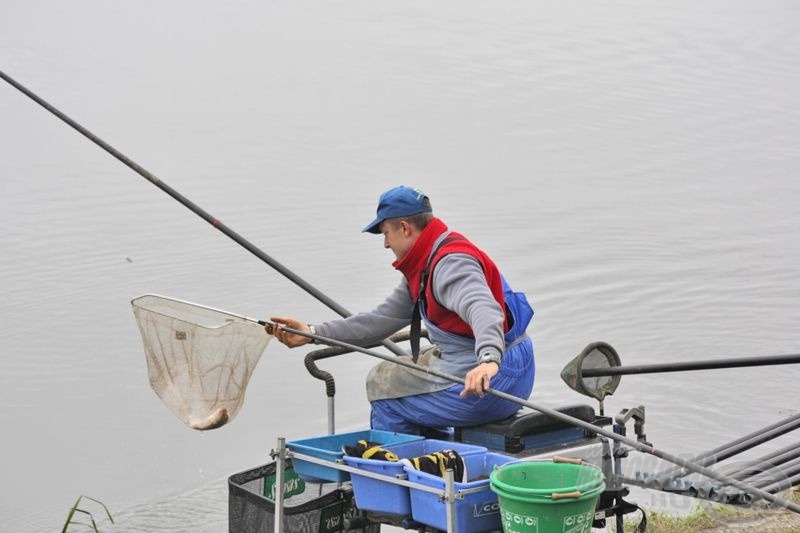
[399,202]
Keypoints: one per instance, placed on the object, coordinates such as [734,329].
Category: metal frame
[449,495]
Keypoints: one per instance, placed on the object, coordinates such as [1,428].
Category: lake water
[632,166]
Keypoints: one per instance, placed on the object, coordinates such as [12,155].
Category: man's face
[398,236]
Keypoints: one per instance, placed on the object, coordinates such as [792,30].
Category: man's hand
[292,340]
[477,380]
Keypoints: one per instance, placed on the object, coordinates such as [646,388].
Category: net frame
[199,359]
[595,355]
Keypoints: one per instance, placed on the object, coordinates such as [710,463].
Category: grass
[703,518]
[75,509]
[696,521]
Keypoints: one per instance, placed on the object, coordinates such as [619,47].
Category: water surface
[631,166]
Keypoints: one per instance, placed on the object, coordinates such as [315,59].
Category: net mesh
[596,355]
[199,360]
[308,508]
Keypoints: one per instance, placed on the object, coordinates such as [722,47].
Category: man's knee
[384,417]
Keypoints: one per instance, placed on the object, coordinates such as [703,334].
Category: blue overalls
[445,408]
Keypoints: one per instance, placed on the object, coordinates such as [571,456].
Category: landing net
[597,355]
[199,360]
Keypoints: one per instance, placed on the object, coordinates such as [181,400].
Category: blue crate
[381,496]
[477,511]
[329,448]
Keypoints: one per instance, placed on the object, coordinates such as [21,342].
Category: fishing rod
[191,206]
[730,449]
[768,461]
[692,365]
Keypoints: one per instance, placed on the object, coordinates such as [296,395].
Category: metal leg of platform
[280,467]
[450,495]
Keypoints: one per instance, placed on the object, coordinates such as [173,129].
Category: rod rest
[311,359]
[638,416]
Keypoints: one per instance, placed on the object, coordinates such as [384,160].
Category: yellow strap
[441,460]
[416,460]
[368,453]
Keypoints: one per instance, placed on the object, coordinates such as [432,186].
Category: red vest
[413,263]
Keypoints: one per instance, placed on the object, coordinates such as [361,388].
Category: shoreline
[725,519]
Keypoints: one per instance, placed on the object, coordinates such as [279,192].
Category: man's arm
[459,284]
[363,329]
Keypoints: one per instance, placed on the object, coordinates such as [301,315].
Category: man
[475,321]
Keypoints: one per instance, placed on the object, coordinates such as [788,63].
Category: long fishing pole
[192,206]
[692,365]
[731,448]
[554,414]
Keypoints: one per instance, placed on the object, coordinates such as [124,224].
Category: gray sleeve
[459,284]
[371,327]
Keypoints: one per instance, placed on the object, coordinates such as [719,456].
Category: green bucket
[553,496]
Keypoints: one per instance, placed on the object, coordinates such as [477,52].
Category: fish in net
[199,359]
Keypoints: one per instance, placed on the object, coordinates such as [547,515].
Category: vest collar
[414,261]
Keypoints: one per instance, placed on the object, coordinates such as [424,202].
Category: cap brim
[373,227]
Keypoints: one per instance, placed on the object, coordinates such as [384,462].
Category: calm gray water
[632,166]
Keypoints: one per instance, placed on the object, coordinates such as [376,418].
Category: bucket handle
[572,460]
[565,495]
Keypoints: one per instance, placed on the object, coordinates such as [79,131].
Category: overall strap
[416,315]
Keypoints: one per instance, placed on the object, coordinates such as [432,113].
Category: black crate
[308,507]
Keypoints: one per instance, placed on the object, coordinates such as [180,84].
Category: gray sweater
[458,284]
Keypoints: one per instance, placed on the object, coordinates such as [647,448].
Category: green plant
[76,509]
[712,516]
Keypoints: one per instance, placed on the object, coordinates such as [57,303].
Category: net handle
[201,306]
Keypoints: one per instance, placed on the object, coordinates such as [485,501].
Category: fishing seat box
[381,496]
[528,430]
